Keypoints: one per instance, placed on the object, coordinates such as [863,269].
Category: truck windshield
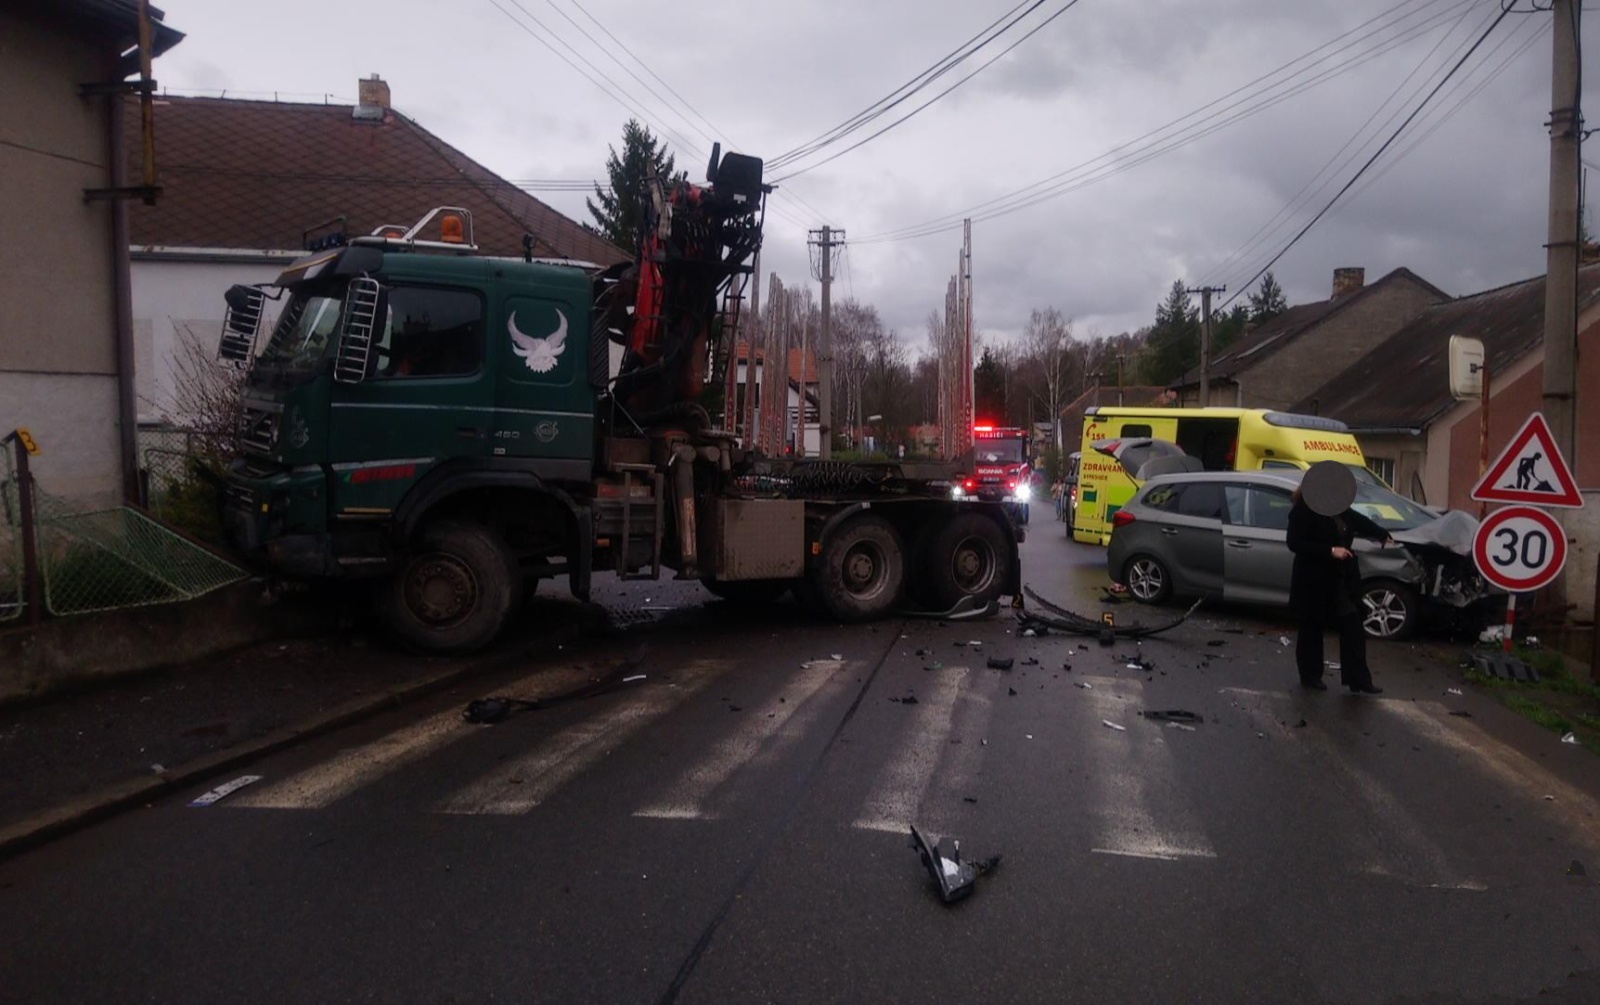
[998,451]
[305,328]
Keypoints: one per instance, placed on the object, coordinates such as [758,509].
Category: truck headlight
[1024,492]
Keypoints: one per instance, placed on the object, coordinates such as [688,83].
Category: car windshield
[998,451]
[304,331]
[1387,510]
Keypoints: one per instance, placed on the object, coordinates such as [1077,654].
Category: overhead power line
[943,65]
[1504,11]
[1378,35]
[913,113]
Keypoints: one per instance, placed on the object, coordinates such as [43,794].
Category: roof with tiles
[256,175]
[1404,382]
[1261,343]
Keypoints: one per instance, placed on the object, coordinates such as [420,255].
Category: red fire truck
[1001,472]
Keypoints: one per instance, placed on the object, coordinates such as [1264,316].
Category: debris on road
[1011,691]
[1570,738]
[1452,690]
[935,665]
[1085,685]
[924,652]
[1462,713]
[1000,663]
[909,699]
[1576,869]
[1060,618]
[224,790]
[1029,633]
[1030,662]
[1172,715]
[1283,640]
[953,877]
[1179,725]
[1217,642]
[1112,725]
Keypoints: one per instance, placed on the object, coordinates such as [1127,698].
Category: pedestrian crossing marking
[358,767]
[1131,765]
[1570,806]
[903,782]
[1393,844]
[688,796]
[519,786]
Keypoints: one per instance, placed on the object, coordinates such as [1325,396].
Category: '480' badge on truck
[541,354]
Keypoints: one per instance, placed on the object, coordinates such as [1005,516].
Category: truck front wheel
[455,592]
[860,572]
[968,557]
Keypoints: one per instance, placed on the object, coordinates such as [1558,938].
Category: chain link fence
[106,559]
[115,557]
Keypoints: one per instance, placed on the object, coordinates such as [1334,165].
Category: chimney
[1345,281]
[373,94]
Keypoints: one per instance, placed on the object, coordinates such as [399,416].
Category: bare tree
[1048,361]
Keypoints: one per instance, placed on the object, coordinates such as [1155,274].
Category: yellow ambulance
[1223,439]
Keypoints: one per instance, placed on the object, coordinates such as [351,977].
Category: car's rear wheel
[1148,579]
[1389,609]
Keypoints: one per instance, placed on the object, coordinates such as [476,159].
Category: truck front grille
[258,429]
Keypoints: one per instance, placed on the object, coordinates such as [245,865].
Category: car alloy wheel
[1147,580]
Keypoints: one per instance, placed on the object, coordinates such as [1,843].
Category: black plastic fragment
[1172,715]
[1000,663]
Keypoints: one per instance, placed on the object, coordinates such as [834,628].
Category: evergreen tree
[1228,327]
[1268,301]
[1173,347]
[616,216]
[989,387]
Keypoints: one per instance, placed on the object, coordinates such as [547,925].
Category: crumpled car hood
[1454,531]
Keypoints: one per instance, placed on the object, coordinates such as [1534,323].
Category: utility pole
[969,384]
[1205,340]
[825,241]
[1561,249]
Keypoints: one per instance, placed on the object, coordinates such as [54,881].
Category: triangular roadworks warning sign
[1530,470]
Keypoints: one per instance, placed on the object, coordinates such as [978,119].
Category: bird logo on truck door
[541,354]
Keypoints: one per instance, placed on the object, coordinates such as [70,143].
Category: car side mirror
[366,304]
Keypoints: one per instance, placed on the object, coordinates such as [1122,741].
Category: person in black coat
[1325,589]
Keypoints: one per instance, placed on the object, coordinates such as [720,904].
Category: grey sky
[1464,208]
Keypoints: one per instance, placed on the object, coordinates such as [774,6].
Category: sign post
[1520,548]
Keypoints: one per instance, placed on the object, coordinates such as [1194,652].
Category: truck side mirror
[365,308]
[241,324]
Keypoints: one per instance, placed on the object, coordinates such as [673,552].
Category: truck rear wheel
[860,572]
[455,592]
[968,557]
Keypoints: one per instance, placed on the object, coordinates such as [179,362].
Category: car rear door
[1256,559]
[1195,535]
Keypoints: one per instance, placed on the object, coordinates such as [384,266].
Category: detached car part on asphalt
[953,877]
[1223,534]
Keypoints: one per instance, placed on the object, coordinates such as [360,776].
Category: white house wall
[176,301]
[58,357]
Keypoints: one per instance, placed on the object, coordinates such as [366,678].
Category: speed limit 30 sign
[1519,548]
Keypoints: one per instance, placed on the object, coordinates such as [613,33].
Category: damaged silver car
[1222,534]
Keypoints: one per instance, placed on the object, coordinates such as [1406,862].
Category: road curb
[59,821]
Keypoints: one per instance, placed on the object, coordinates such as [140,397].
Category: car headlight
[1024,493]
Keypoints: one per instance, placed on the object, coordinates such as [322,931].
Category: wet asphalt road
[731,829]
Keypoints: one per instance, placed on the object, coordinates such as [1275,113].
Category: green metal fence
[105,559]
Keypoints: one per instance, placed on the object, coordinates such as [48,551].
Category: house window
[1383,467]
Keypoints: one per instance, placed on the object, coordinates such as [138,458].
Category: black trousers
[1314,618]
